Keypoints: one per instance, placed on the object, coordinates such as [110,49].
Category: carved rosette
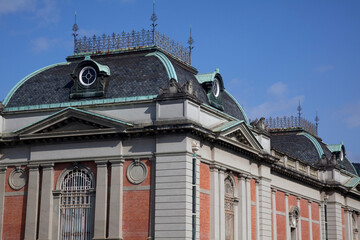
[17,178]
[136,172]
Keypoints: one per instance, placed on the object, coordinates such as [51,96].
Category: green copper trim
[78,110]
[241,109]
[102,68]
[352,182]
[207,77]
[335,147]
[227,125]
[80,103]
[18,85]
[314,141]
[166,62]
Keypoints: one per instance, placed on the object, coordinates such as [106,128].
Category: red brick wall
[343,223]
[136,207]
[253,208]
[14,210]
[204,202]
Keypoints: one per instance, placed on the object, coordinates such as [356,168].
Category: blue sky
[271,54]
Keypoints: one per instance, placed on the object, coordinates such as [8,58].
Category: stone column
[101,201]
[310,222]
[2,196]
[242,208]
[347,223]
[214,203]
[334,220]
[46,204]
[32,203]
[299,223]
[274,214]
[287,220]
[222,203]
[248,208]
[116,200]
[236,218]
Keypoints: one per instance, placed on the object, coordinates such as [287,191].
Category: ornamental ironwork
[291,122]
[133,39]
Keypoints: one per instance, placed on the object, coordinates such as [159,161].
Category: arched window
[229,209]
[77,205]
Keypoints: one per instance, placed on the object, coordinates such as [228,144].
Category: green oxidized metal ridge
[227,126]
[167,64]
[80,103]
[314,141]
[19,84]
[335,147]
[78,110]
[241,109]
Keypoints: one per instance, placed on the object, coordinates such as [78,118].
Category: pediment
[73,122]
[238,132]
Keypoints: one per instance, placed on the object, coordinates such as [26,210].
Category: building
[126,140]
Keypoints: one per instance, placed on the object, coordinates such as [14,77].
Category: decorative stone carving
[259,124]
[175,89]
[17,178]
[294,216]
[136,172]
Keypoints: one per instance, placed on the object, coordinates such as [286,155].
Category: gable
[72,122]
[237,132]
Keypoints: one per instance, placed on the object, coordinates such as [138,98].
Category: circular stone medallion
[136,172]
[17,178]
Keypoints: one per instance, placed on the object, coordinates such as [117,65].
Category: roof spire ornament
[317,119]
[75,28]
[299,108]
[190,42]
[153,19]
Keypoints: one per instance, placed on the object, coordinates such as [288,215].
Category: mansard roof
[303,146]
[135,74]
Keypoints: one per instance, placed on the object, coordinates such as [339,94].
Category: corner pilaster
[101,201]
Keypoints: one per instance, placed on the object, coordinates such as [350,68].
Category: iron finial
[75,28]
[317,119]
[153,19]
[190,42]
[299,108]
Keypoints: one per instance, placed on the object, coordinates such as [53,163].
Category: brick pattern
[136,206]
[304,216]
[204,202]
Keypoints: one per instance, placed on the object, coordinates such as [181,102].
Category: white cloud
[352,115]
[323,69]
[278,103]
[47,12]
[42,44]
[278,89]
[12,6]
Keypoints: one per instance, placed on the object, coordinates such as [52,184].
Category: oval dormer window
[87,76]
[216,87]
[341,155]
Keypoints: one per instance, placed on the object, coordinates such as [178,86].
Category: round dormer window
[216,87]
[87,76]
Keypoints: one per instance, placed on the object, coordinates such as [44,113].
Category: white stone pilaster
[116,200]
[287,221]
[242,208]
[299,223]
[46,203]
[101,201]
[257,209]
[334,220]
[321,219]
[214,204]
[32,203]
[274,214]
[264,209]
[222,203]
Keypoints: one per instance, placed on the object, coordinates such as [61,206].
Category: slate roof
[132,74]
[301,147]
